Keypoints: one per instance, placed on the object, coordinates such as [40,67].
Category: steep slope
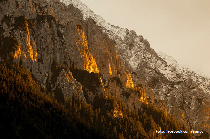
[71,56]
[185,93]
[51,42]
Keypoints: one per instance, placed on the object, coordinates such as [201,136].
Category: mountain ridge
[135,52]
[67,54]
[119,32]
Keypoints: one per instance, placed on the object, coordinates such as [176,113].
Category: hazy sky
[180,28]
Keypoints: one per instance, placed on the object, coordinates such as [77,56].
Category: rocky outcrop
[68,48]
[57,46]
[185,93]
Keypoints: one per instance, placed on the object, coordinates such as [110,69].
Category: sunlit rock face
[57,46]
[182,90]
[89,61]
[68,48]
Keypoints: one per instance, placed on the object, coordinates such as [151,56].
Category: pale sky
[179,28]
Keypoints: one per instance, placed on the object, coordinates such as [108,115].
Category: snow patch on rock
[111,30]
[174,68]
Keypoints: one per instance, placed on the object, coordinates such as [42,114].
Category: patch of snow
[203,82]
[113,31]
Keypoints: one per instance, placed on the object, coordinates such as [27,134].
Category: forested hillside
[30,112]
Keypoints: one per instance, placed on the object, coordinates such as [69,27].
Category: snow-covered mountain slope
[203,82]
[111,30]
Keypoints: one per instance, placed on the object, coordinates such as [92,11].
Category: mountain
[108,78]
[185,93]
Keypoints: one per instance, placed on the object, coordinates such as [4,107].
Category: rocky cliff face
[63,51]
[185,93]
[68,48]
